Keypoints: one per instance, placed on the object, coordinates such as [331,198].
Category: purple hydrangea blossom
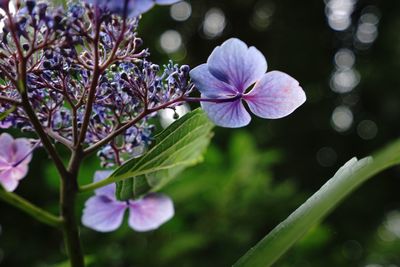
[224,80]
[104,213]
[61,71]
[15,155]
[134,7]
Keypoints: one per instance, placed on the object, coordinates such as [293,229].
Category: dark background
[253,178]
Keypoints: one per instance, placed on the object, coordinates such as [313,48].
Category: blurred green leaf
[345,181]
[181,145]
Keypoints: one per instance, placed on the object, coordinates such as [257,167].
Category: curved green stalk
[346,180]
[36,212]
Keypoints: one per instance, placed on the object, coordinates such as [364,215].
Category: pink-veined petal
[150,212]
[229,114]
[236,64]
[275,96]
[103,214]
[208,85]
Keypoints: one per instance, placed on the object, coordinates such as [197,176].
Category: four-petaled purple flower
[224,80]
[15,155]
[134,7]
[104,213]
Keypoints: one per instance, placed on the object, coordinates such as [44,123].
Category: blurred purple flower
[224,80]
[5,124]
[15,155]
[104,213]
[135,7]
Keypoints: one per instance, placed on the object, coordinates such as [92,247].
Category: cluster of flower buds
[85,68]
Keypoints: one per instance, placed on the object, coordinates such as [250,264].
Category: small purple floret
[104,213]
[15,155]
[231,69]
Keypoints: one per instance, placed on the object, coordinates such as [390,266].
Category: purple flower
[5,124]
[15,155]
[104,213]
[224,80]
[135,7]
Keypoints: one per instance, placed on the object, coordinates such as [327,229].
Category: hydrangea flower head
[15,155]
[135,7]
[224,80]
[104,213]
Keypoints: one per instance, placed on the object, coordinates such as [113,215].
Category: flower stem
[68,191]
[36,212]
[69,185]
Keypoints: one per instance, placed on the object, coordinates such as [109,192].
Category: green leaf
[344,182]
[181,145]
[132,187]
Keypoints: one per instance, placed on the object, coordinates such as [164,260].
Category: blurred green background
[346,55]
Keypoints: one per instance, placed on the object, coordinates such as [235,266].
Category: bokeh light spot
[181,11]
[214,23]
[367,129]
[342,119]
[171,41]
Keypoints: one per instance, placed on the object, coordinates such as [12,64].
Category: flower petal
[103,214]
[275,96]
[139,7]
[167,2]
[150,212]
[108,190]
[7,182]
[208,85]
[22,149]
[9,179]
[135,7]
[228,114]
[6,144]
[5,124]
[236,64]
[4,164]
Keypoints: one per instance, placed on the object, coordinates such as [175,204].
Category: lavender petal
[103,214]
[228,114]
[275,96]
[209,85]
[150,212]
[236,64]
